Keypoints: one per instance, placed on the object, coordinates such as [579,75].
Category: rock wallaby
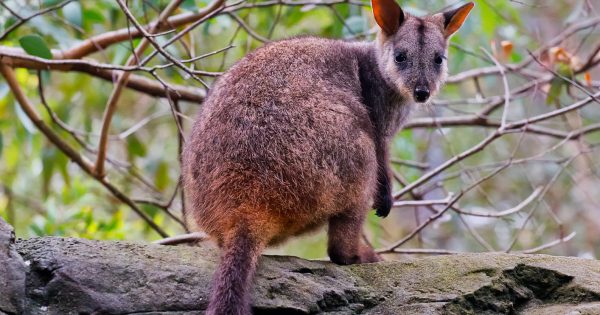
[295,136]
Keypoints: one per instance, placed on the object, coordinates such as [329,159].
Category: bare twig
[73,155]
[506,90]
[183,239]
[417,203]
[548,245]
[518,208]
[23,20]
[17,58]
[111,106]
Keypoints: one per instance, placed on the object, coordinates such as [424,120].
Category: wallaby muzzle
[421,94]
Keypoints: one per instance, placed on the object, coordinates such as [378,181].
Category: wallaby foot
[344,246]
[364,255]
[368,255]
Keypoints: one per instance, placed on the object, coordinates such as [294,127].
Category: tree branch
[17,58]
[71,153]
[111,106]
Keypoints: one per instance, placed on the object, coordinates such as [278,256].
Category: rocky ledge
[74,276]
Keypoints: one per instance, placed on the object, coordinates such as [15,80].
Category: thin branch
[23,20]
[536,193]
[506,89]
[521,66]
[422,251]
[417,203]
[540,248]
[17,58]
[248,29]
[475,149]
[149,40]
[73,155]
[552,114]
[195,237]
[12,12]
[113,99]
[476,235]
[437,215]
[207,54]
[104,40]
[556,74]
[539,199]
[413,164]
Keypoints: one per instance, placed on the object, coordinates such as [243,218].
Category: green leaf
[565,70]
[555,90]
[161,179]
[62,162]
[189,5]
[27,123]
[93,16]
[135,146]
[48,164]
[489,21]
[1,144]
[35,45]
[37,230]
[113,16]
[73,14]
[10,21]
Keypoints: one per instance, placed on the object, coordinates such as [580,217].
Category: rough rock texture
[74,276]
[12,272]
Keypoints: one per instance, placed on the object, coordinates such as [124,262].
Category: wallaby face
[295,136]
[412,50]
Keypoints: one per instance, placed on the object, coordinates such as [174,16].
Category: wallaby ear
[454,19]
[388,14]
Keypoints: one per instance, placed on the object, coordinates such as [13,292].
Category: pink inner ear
[458,18]
[388,15]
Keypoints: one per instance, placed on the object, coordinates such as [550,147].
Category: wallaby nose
[421,94]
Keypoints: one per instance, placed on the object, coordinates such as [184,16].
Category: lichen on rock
[75,276]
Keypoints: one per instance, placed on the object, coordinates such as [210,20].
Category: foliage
[45,193]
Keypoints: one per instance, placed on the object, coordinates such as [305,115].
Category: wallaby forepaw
[384,205]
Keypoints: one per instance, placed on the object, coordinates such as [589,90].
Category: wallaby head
[412,50]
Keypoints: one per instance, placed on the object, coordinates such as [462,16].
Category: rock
[75,276]
[12,272]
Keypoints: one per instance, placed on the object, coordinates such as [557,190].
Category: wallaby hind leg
[344,245]
[232,281]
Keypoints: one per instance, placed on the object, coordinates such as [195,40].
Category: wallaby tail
[231,288]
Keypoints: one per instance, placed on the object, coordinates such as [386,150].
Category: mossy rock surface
[74,276]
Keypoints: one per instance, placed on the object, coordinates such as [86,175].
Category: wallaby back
[284,130]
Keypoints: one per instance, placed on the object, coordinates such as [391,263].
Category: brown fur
[295,136]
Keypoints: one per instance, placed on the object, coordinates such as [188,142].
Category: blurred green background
[42,193]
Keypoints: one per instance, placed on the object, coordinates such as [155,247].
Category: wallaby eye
[438,60]
[400,57]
